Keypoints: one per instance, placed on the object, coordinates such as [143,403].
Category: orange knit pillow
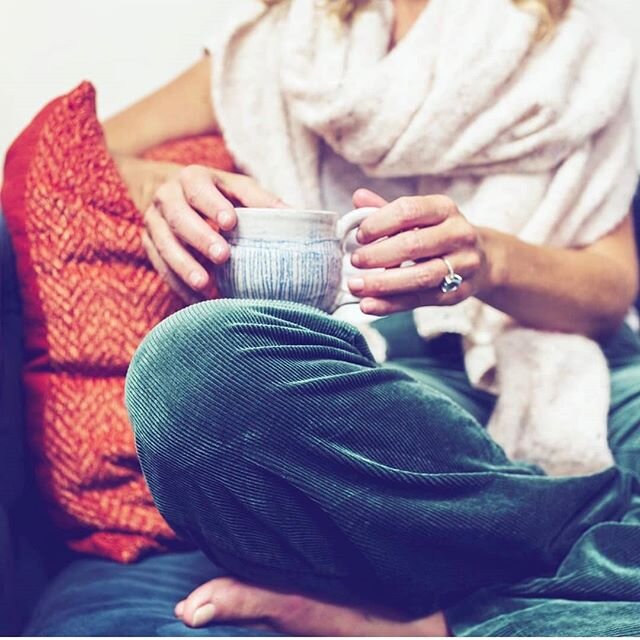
[89,297]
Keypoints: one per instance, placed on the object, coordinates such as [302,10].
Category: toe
[197,599]
[224,599]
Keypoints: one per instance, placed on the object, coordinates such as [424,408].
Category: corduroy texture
[89,297]
[271,439]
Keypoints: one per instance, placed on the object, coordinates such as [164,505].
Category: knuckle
[162,194]
[189,173]
[445,205]
[465,233]
[474,261]
[149,215]
[163,248]
[171,215]
[194,187]
[413,246]
[425,278]
[469,234]
[193,196]
[374,287]
[408,209]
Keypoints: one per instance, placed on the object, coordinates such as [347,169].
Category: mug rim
[297,210]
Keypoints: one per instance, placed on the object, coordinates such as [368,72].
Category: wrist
[493,246]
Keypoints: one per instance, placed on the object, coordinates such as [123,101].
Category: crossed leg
[270,438]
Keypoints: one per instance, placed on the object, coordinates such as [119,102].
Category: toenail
[204,615]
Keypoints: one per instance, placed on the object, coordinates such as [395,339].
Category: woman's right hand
[183,223]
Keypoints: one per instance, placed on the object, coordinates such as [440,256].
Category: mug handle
[346,225]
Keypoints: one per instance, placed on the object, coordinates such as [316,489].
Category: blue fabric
[11,449]
[30,549]
[11,427]
[101,598]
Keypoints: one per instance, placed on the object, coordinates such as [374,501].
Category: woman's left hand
[420,230]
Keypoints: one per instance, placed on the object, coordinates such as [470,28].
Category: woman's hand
[183,218]
[586,290]
[421,230]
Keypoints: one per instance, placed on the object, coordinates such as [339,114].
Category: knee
[212,364]
[186,365]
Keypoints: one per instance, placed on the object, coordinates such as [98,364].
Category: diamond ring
[452,280]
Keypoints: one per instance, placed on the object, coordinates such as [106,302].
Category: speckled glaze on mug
[289,254]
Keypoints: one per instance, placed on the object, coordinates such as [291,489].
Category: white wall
[125,47]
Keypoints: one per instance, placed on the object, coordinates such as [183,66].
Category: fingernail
[356,259]
[360,237]
[216,250]
[204,615]
[356,284]
[179,610]
[196,279]
[226,218]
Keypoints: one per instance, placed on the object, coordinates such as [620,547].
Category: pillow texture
[89,296]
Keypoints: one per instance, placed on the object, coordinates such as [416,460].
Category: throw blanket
[533,139]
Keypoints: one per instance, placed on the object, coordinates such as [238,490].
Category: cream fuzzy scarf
[533,140]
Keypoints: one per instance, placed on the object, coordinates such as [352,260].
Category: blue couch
[31,551]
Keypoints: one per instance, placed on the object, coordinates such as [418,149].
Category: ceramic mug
[289,254]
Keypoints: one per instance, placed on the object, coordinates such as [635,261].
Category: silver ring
[452,280]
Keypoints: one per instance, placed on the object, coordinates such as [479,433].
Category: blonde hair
[550,12]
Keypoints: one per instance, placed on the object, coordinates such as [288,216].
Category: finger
[178,259]
[413,279]
[431,298]
[404,214]
[247,191]
[447,237]
[166,273]
[367,198]
[201,193]
[192,229]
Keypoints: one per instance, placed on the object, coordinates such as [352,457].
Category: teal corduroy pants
[271,439]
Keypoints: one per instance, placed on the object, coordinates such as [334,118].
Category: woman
[352,498]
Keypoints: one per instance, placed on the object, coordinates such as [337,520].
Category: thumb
[366,198]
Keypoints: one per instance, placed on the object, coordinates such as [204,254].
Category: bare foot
[227,599]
